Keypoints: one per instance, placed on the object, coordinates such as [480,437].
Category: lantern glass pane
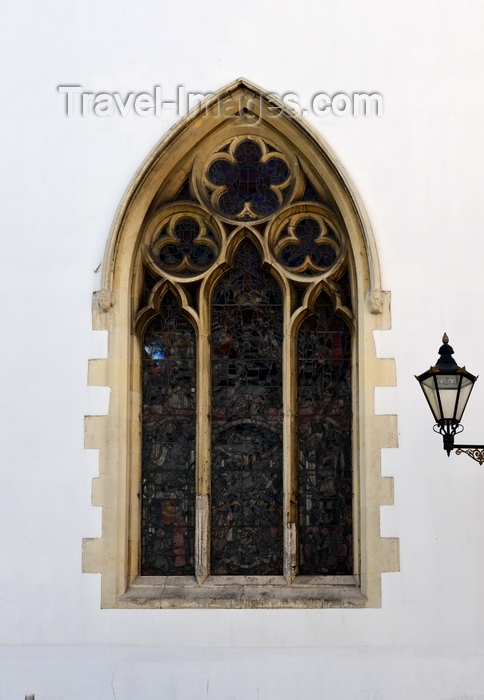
[429,389]
[465,392]
[448,387]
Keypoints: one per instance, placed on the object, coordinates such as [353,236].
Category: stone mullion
[203,445]
[290,445]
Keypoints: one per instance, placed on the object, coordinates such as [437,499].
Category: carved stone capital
[103,300]
[375,301]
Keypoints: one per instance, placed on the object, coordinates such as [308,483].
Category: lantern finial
[445,338]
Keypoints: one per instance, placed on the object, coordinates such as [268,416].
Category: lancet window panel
[325,474]
[168,446]
[247,450]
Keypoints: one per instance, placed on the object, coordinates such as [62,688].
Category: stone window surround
[117,435]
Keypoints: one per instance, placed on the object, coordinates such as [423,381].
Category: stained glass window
[168,461]
[247,419]
[249,181]
[240,290]
[325,418]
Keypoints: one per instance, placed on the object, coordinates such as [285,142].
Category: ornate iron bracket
[474,451]
[449,432]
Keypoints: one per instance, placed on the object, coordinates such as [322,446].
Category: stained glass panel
[325,419]
[168,436]
[310,193]
[248,181]
[148,284]
[247,420]
[188,254]
[184,195]
[345,286]
[321,254]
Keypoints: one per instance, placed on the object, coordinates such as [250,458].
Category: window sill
[243,592]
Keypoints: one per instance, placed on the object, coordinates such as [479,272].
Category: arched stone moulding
[239,109]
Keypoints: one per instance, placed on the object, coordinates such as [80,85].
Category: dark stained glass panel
[310,194]
[248,180]
[345,286]
[325,419]
[148,284]
[247,420]
[168,436]
[321,254]
[187,255]
[184,195]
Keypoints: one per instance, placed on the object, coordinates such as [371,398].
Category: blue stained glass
[154,351]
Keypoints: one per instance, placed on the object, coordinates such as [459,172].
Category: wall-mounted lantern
[447,388]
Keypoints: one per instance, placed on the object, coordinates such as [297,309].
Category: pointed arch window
[244,455]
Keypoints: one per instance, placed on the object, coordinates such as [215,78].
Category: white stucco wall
[418,170]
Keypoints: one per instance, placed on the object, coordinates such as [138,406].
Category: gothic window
[240,288]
